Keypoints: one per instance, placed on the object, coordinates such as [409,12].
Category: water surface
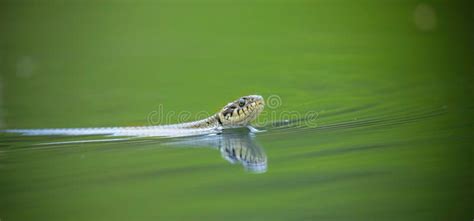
[390,83]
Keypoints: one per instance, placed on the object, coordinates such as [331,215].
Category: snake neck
[210,122]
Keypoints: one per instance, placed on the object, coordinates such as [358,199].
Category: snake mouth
[241,111]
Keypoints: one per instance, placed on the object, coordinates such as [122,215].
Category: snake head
[241,111]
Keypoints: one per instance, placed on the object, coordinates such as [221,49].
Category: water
[371,117]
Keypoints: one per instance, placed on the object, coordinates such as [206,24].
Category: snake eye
[241,102]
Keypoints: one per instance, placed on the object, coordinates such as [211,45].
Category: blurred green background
[391,82]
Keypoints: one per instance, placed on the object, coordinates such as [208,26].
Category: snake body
[238,113]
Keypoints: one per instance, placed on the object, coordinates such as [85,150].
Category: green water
[390,81]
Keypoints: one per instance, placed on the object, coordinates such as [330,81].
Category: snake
[238,113]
